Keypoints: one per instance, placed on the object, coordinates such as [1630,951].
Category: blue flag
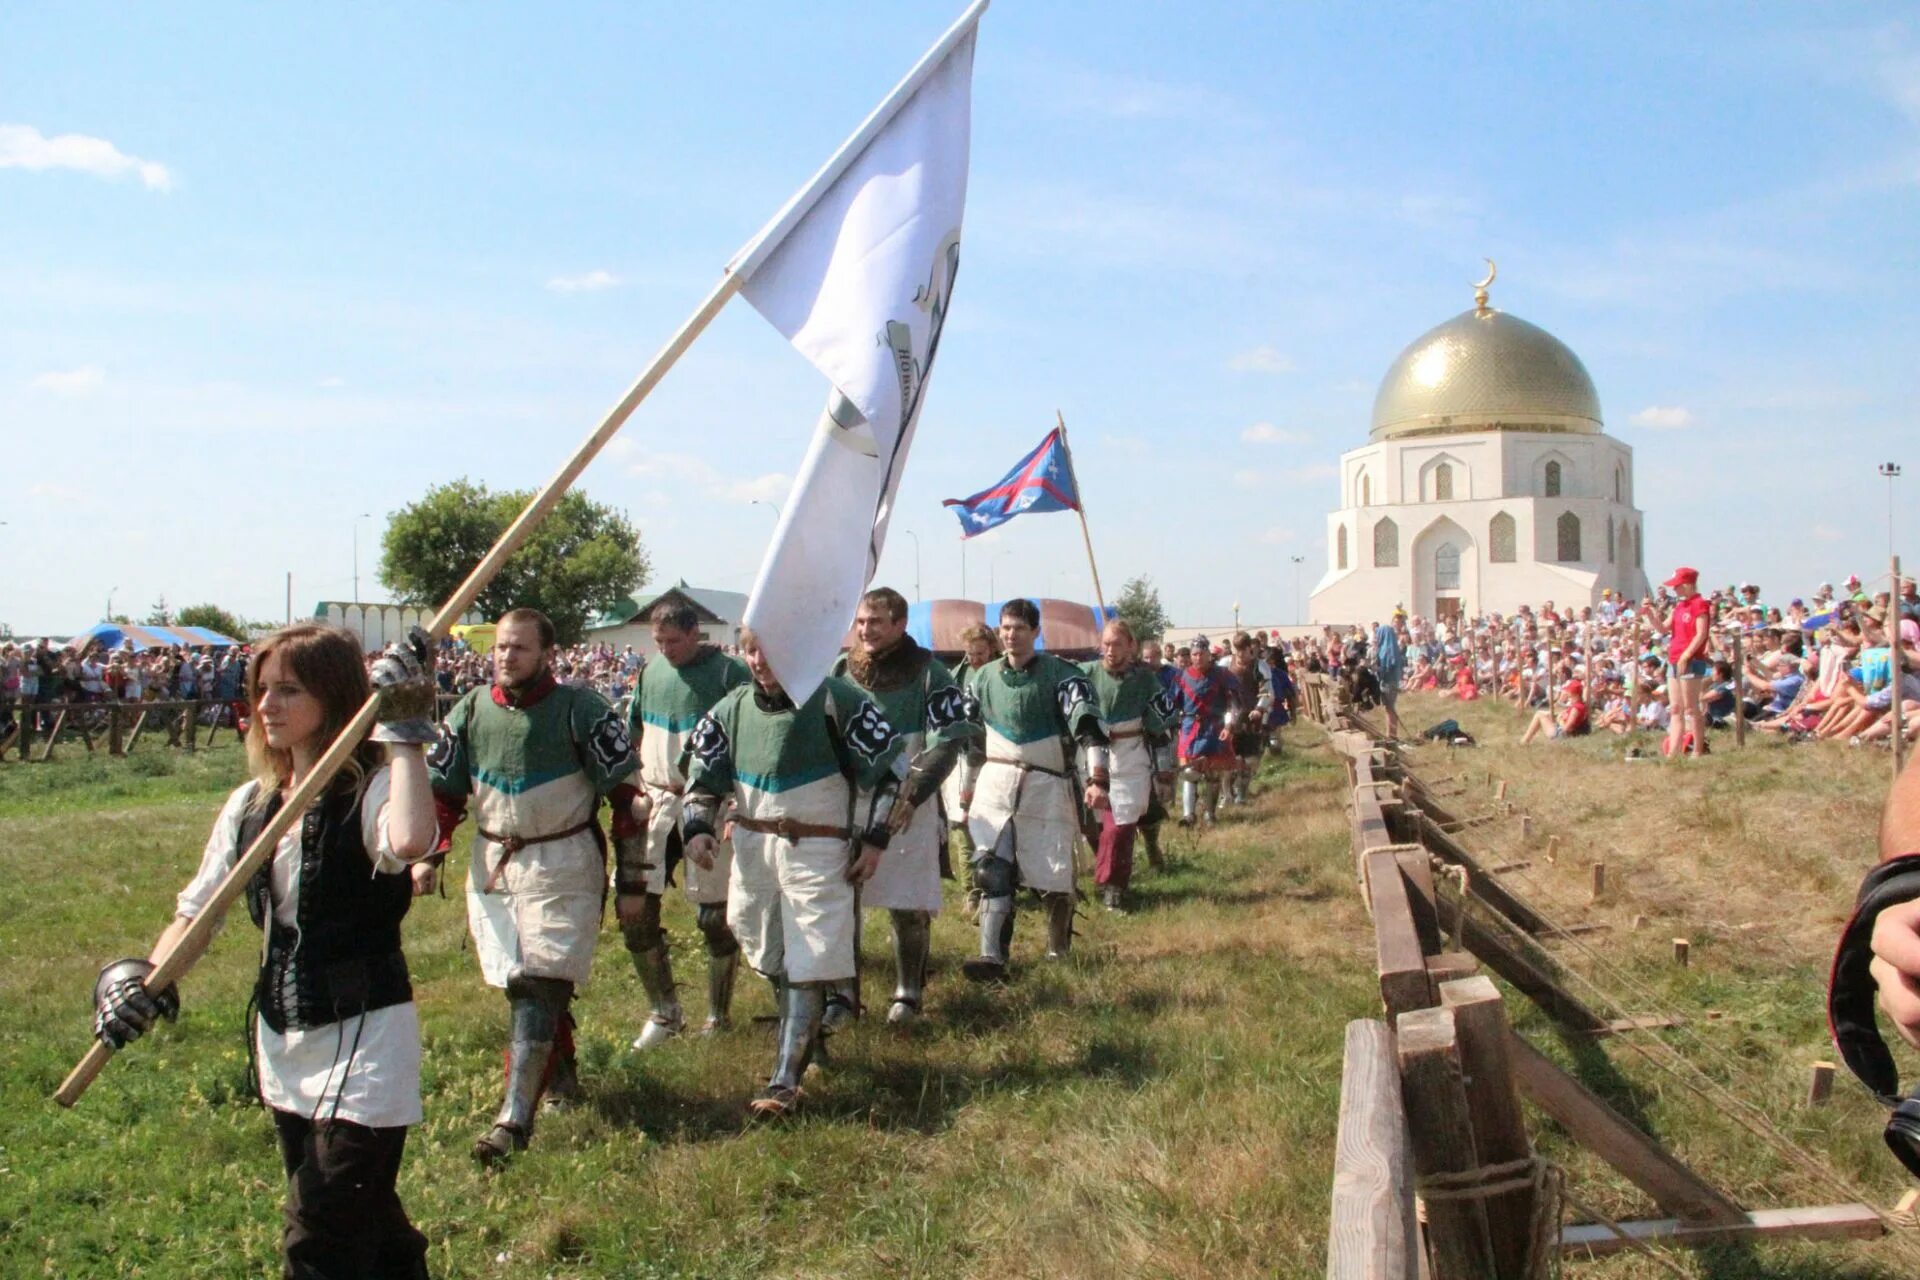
[1041,481]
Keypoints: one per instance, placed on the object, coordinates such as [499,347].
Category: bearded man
[536,756]
[1135,713]
[813,787]
[676,689]
[1023,815]
[932,716]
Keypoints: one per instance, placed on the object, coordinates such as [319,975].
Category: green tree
[214,618]
[1139,606]
[158,615]
[577,563]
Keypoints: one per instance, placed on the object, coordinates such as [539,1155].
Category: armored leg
[563,1082]
[912,941]
[994,876]
[723,963]
[1150,835]
[1059,907]
[647,944]
[842,1007]
[1189,792]
[537,1007]
[1210,799]
[801,1007]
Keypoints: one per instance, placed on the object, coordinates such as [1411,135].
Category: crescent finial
[1480,286]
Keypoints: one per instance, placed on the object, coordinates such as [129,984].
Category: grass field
[1163,1105]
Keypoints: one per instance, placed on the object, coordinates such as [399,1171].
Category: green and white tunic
[1139,720]
[804,769]
[934,719]
[1025,800]
[665,710]
[533,769]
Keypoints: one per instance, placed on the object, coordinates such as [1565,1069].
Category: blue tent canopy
[118,635]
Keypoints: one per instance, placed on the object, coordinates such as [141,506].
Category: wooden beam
[1373,1233]
[1820,1222]
[1433,1086]
[1499,1128]
[53,735]
[1417,869]
[1480,881]
[1532,978]
[1605,1132]
[1401,963]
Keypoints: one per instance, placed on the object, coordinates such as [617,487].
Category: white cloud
[71,382]
[1276,535]
[1261,359]
[1663,417]
[1246,478]
[1267,433]
[332,382]
[1827,533]
[685,471]
[24,147]
[590,282]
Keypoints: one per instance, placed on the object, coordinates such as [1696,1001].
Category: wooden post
[1372,1232]
[1526,829]
[1820,1085]
[1493,1104]
[25,742]
[1681,949]
[1739,691]
[1433,1086]
[139,724]
[1599,880]
[1500,792]
[193,725]
[116,743]
[1081,510]
[1553,850]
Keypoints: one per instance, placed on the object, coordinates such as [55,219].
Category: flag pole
[1081,510]
[180,957]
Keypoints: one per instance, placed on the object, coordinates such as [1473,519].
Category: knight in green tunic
[927,708]
[1037,711]
[813,788]
[1138,717]
[677,687]
[535,757]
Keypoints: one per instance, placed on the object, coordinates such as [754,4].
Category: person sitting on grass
[1571,722]
[1615,715]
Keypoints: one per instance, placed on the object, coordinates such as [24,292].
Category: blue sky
[263,269]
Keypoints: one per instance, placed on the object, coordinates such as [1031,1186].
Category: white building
[719,613]
[1487,482]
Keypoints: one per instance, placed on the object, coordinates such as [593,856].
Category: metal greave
[912,942]
[801,1006]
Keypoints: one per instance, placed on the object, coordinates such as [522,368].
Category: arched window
[1386,545]
[1569,530]
[1340,549]
[1446,567]
[1619,483]
[1500,539]
[1553,479]
[1366,490]
[1443,483]
[1610,557]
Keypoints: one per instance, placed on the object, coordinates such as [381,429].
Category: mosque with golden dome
[1488,481]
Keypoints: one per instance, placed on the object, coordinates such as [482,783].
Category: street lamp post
[763,502]
[916,562]
[109,617]
[1297,562]
[364,515]
[1891,470]
[1236,615]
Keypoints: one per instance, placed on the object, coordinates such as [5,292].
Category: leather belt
[510,845]
[788,829]
[1026,767]
[1121,735]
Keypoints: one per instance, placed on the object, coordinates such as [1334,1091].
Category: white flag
[860,283]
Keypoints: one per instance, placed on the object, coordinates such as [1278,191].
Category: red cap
[1683,576]
[1573,687]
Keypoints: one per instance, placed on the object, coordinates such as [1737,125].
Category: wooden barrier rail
[1462,1071]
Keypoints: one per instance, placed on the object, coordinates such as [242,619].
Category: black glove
[124,1010]
[403,678]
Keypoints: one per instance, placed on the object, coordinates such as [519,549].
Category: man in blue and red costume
[537,757]
[1204,695]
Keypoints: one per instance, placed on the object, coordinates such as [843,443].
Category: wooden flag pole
[1081,510]
[179,958]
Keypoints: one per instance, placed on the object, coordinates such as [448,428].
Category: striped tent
[116,635]
[1066,627]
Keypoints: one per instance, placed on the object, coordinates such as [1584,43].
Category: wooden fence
[1430,1107]
[40,729]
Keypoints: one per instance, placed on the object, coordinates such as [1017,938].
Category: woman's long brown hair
[328,664]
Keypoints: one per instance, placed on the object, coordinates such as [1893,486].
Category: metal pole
[1739,686]
[916,561]
[1299,613]
[1893,657]
[1098,594]
[963,566]
[289,597]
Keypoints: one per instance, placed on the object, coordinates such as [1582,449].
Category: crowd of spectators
[1818,668]
[39,671]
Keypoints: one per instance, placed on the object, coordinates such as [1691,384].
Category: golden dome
[1485,370]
